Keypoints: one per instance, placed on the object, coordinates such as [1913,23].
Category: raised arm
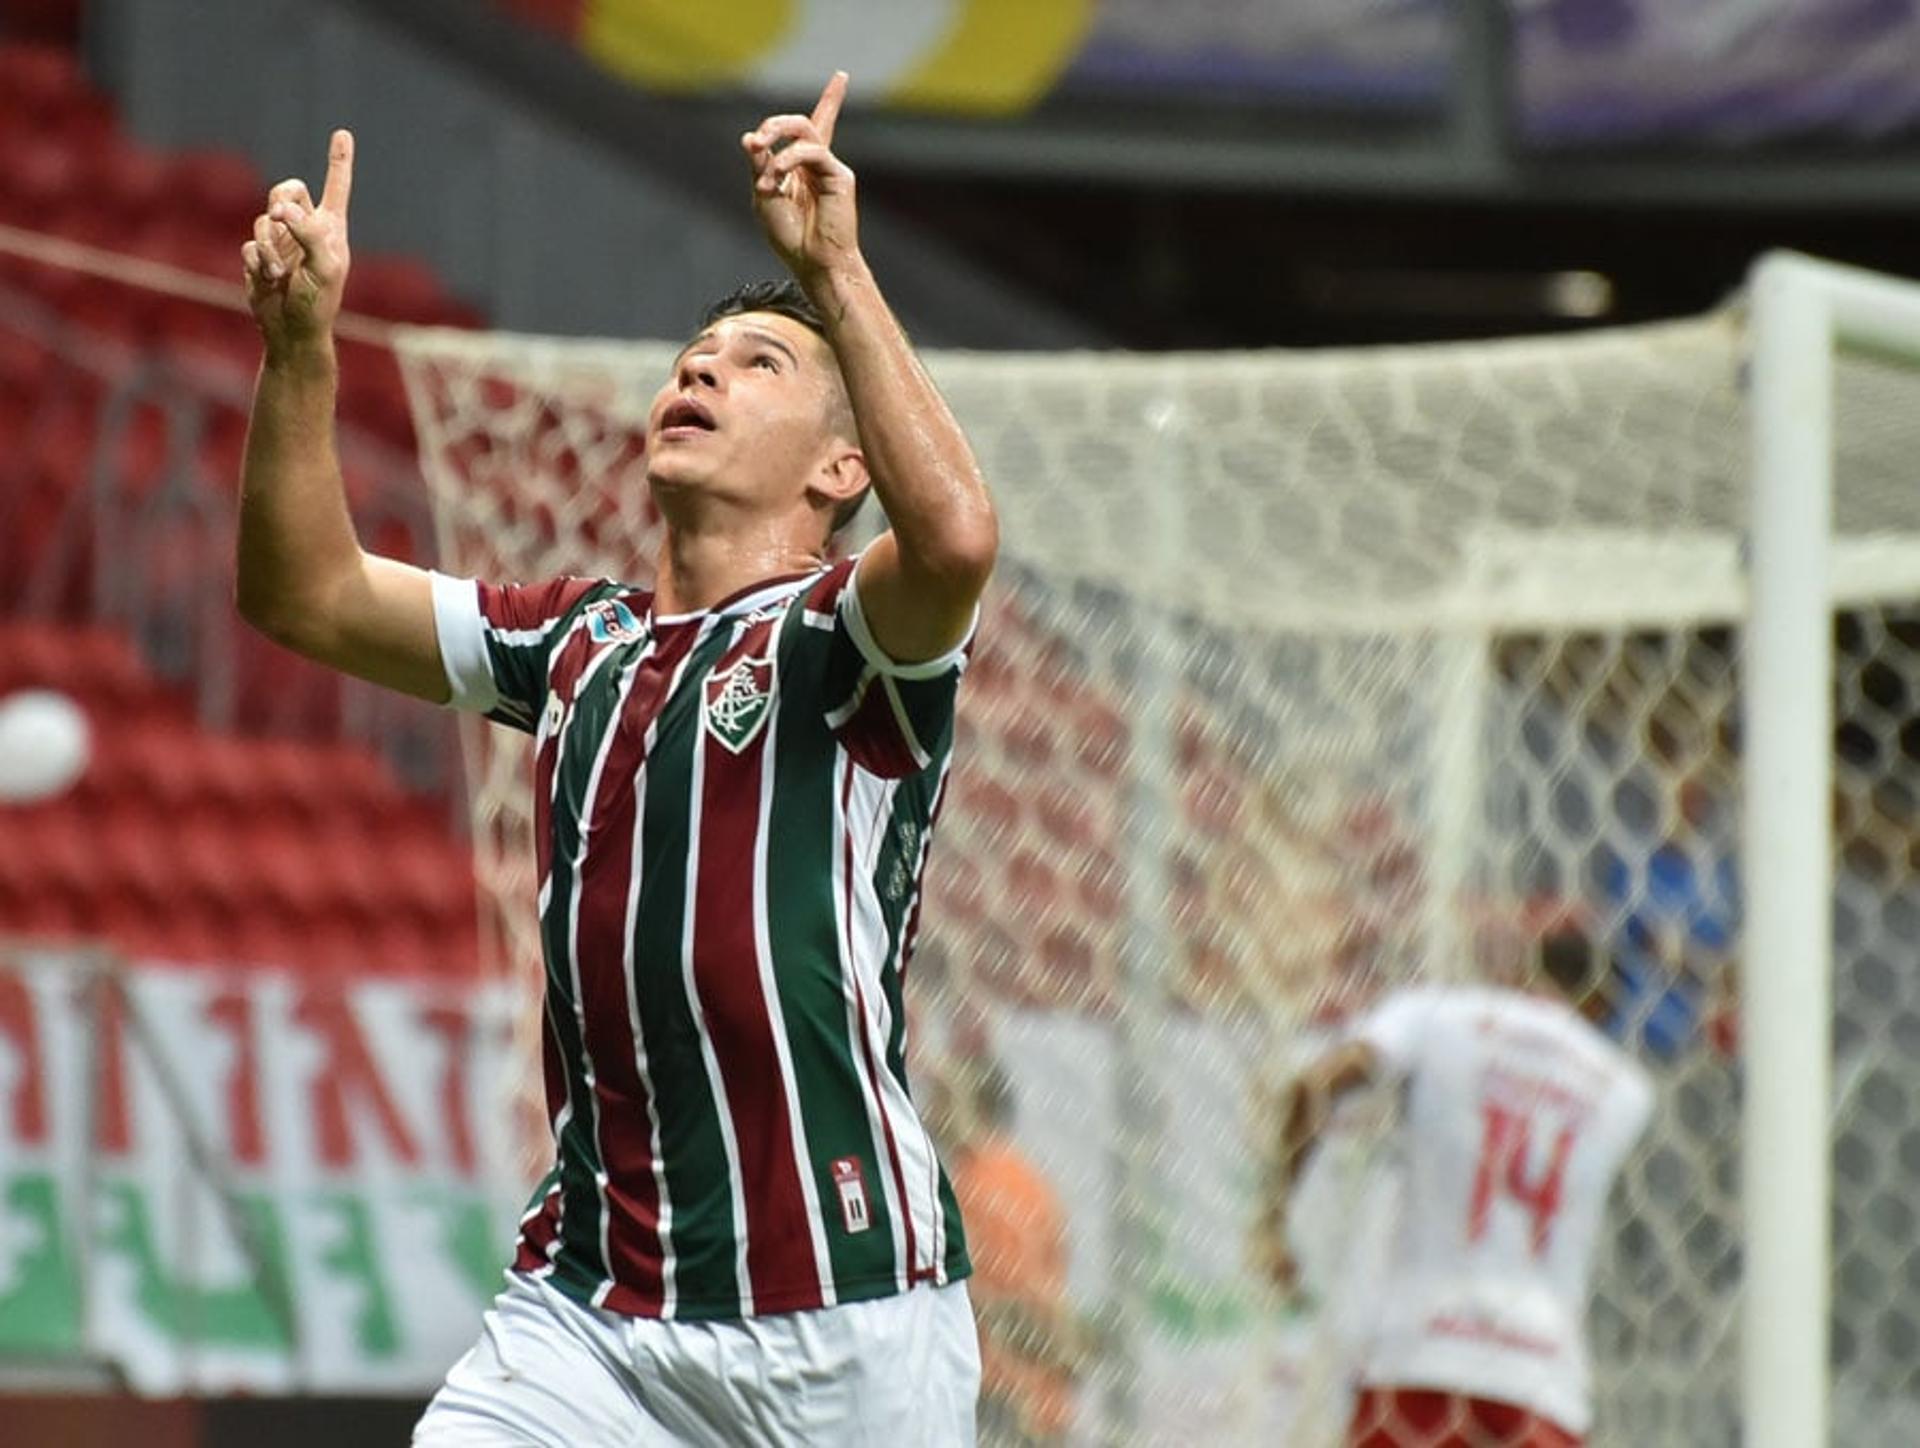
[919,582]
[1304,1111]
[302,578]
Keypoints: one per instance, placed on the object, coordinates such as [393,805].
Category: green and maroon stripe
[586,680]
[814,985]
[725,971]
[635,1251]
[863,1017]
[701,1271]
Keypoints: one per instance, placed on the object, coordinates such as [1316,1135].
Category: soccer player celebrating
[1516,1116]
[746,1236]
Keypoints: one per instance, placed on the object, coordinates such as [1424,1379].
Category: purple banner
[1728,72]
[1347,53]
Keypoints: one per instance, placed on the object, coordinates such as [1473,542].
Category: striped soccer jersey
[733,810]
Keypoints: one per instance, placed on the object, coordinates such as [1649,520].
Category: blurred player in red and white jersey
[1517,1114]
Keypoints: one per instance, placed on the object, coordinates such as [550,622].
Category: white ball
[45,742]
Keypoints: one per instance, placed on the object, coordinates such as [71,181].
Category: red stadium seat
[221,189]
[223,445]
[163,763]
[95,666]
[371,394]
[398,946]
[284,870]
[137,457]
[25,363]
[57,21]
[40,173]
[357,887]
[316,783]
[132,177]
[455,952]
[54,914]
[62,448]
[399,288]
[186,931]
[337,946]
[357,783]
[137,857]
[104,667]
[432,878]
[214,866]
[395,538]
[36,515]
[279,692]
[219,351]
[26,866]
[265,937]
[40,80]
[180,843]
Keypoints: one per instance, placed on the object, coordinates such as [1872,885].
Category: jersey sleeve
[496,639]
[1394,1027]
[895,719]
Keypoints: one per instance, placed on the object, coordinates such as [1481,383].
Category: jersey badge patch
[851,1184]
[739,701]
[611,622]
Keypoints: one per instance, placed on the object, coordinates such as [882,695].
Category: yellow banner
[984,56]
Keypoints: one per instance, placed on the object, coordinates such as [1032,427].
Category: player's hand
[802,192]
[296,264]
[1273,1254]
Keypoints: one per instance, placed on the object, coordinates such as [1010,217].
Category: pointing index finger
[827,111]
[339,173]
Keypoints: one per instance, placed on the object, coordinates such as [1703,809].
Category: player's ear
[842,474]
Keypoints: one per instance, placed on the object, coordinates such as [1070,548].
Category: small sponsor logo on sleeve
[611,622]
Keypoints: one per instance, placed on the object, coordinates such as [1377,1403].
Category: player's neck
[700,567]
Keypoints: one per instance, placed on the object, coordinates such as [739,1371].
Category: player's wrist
[302,355]
[837,286]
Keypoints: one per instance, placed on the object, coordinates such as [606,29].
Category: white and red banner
[268,1183]
[253,1182]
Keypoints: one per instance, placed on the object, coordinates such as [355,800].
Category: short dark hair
[1567,958]
[785,298]
[993,1097]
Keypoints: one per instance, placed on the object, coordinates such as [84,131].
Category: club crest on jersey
[739,701]
[611,622]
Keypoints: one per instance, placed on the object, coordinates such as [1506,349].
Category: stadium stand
[250,826]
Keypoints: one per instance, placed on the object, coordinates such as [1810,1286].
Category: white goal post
[1803,310]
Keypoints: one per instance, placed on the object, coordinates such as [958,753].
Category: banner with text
[249,1182]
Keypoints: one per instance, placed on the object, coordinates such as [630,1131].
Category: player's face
[747,415]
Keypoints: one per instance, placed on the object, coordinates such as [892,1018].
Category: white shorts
[896,1372]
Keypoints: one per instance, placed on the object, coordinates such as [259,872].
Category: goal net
[1305,676]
